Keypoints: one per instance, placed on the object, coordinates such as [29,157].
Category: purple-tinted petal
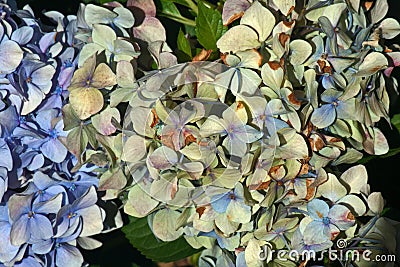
[7,250]
[324,116]
[42,246]
[142,6]
[87,200]
[65,76]
[42,181]
[54,150]
[233,10]
[22,35]
[163,158]
[29,262]
[19,205]
[51,206]
[47,40]
[6,160]
[45,117]
[40,227]
[68,256]
[20,231]
[9,119]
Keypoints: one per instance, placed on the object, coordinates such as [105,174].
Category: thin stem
[192,5]
[180,19]
[365,232]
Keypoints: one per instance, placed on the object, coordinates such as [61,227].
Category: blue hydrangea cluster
[46,210]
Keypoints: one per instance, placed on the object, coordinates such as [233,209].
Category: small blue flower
[326,222]
[85,209]
[29,219]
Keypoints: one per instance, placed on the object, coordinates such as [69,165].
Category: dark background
[383,173]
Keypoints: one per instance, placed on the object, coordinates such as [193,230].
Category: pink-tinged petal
[234,9]
[388,71]
[150,30]
[341,216]
[167,60]
[395,56]
[146,7]
[103,121]
[19,205]
[65,76]
[163,158]
[333,230]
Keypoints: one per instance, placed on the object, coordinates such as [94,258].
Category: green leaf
[209,27]
[396,121]
[392,152]
[91,132]
[141,237]
[183,44]
[70,118]
[188,3]
[77,141]
[167,7]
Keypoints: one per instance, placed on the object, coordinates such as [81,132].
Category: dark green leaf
[77,141]
[183,44]
[181,2]
[104,141]
[396,121]
[392,152]
[91,135]
[141,237]
[209,27]
[70,118]
[167,7]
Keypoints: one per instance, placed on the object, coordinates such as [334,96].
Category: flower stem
[180,19]
[192,5]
